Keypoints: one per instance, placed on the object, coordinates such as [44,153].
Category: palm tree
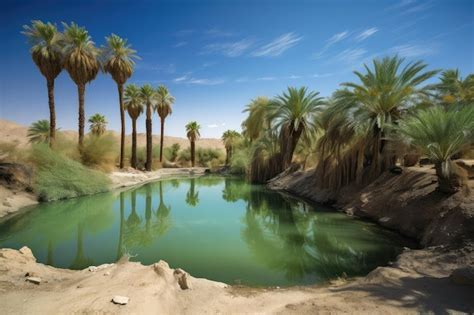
[440,135]
[119,62]
[98,124]
[454,90]
[45,41]
[230,139]
[292,113]
[39,131]
[82,64]
[257,120]
[148,95]
[192,132]
[163,107]
[134,107]
[379,101]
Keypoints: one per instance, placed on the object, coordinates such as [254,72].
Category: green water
[218,228]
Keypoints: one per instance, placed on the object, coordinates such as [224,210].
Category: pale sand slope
[13,132]
[419,282]
[13,200]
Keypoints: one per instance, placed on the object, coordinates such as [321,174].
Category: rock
[183,279]
[27,252]
[396,170]
[161,267]
[35,280]
[92,268]
[121,300]
[384,219]
[464,276]
[14,175]
[107,273]
[31,274]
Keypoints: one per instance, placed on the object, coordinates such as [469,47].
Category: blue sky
[217,55]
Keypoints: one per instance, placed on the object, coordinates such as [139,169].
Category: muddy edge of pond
[13,200]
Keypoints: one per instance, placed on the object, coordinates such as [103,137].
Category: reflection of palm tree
[80,261]
[192,196]
[162,213]
[133,219]
[122,223]
[235,189]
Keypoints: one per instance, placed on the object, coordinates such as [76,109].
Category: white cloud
[351,55]
[331,41]
[322,75]
[212,126]
[266,79]
[278,45]
[205,81]
[366,34]
[230,49]
[180,44]
[409,50]
[181,78]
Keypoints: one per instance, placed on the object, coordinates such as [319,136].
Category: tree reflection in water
[192,196]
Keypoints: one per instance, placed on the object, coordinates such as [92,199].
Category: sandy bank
[418,282]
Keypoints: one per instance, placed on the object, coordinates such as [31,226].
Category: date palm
[163,106]
[39,131]
[440,135]
[292,114]
[98,124]
[82,64]
[455,90]
[148,96]
[383,95]
[134,106]
[257,120]
[45,41]
[192,132]
[230,139]
[119,61]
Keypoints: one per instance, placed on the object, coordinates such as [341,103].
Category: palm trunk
[148,138]
[161,138]
[81,89]
[450,180]
[52,113]
[134,144]
[122,125]
[227,153]
[192,153]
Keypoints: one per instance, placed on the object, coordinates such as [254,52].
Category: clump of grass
[203,156]
[100,152]
[240,161]
[10,152]
[171,153]
[58,177]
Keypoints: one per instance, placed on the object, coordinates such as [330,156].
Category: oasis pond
[219,228]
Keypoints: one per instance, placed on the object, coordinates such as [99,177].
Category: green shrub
[240,161]
[203,156]
[100,152]
[58,177]
[67,147]
[171,153]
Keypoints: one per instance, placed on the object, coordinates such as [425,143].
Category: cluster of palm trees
[364,128]
[74,51]
[146,98]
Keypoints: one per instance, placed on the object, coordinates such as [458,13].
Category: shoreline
[423,275]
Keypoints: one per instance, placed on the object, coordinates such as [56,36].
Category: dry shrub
[100,152]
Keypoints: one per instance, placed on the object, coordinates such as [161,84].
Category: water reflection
[237,231]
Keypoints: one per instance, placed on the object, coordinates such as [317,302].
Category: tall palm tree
[230,139]
[383,94]
[440,135]
[455,90]
[134,107]
[163,107]
[98,124]
[119,62]
[45,41]
[257,120]
[82,64]
[292,113]
[39,131]
[148,95]
[192,132]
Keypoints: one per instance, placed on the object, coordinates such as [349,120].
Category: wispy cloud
[229,49]
[181,78]
[322,75]
[351,55]
[418,8]
[180,44]
[205,81]
[409,50]
[410,6]
[293,77]
[169,68]
[215,32]
[331,41]
[366,34]
[400,4]
[266,78]
[212,126]
[278,45]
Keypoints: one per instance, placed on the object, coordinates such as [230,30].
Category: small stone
[35,280]
[107,273]
[183,279]
[464,276]
[26,251]
[384,219]
[31,274]
[92,268]
[121,300]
